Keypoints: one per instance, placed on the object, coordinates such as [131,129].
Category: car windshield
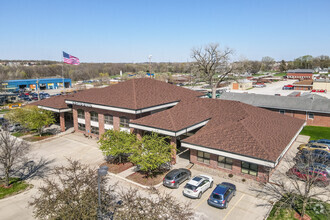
[217,196]
[189,186]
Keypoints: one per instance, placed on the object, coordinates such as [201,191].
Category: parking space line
[201,202]
[233,207]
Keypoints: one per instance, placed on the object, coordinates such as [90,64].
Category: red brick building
[300,74]
[226,135]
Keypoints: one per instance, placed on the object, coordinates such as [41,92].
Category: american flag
[67,58]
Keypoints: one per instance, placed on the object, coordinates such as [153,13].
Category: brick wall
[101,113]
[262,176]
[320,119]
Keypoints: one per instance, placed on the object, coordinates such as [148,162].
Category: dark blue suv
[222,194]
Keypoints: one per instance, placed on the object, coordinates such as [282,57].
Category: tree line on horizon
[85,71]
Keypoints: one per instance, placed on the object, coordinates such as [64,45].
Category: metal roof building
[48,83]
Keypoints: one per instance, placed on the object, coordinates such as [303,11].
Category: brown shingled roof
[233,126]
[57,102]
[135,94]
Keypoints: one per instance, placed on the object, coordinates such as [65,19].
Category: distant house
[314,109]
[301,74]
[324,71]
[242,84]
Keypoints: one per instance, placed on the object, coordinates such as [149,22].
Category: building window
[81,127]
[310,116]
[225,162]
[81,113]
[94,130]
[249,168]
[108,119]
[282,112]
[203,157]
[94,116]
[124,122]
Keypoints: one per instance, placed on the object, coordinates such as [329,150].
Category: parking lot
[244,205]
[276,88]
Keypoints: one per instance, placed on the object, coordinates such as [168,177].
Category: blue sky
[128,31]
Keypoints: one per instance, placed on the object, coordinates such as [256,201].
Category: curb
[135,183]
[130,181]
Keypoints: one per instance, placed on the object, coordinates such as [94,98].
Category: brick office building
[225,135]
[312,108]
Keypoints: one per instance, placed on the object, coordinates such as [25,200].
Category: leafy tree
[283,66]
[72,193]
[12,152]
[153,151]
[31,117]
[212,64]
[117,143]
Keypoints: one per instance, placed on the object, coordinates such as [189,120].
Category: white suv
[197,186]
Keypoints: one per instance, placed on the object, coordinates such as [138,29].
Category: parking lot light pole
[102,171]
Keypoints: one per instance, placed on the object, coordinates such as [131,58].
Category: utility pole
[150,56]
[38,88]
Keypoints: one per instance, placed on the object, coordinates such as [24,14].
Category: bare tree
[212,64]
[12,152]
[152,206]
[267,63]
[299,183]
[72,193]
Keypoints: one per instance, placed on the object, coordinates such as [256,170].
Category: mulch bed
[147,181]
[297,216]
[117,167]
[37,138]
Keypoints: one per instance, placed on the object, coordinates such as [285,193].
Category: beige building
[242,85]
[321,84]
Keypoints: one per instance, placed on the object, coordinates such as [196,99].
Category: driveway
[53,153]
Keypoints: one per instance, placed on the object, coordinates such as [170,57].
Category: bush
[230,175]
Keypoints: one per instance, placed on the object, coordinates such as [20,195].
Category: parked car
[175,177]
[321,177]
[27,99]
[321,141]
[315,156]
[197,186]
[14,127]
[314,146]
[221,195]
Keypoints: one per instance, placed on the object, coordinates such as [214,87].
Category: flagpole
[63,74]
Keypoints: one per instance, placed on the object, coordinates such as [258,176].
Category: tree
[152,206]
[12,152]
[72,193]
[117,144]
[31,117]
[267,63]
[153,151]
[289,191]
[212,64]
[283,66]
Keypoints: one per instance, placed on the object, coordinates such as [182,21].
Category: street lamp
[102,171]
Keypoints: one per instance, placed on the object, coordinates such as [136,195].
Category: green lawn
[316,132]
[314,211]
[17,187]
[280,74]
[2,111]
